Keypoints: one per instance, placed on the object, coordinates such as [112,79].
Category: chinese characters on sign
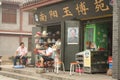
[67,12]
[43,17]
[100,5]
[81,8]
[53,14]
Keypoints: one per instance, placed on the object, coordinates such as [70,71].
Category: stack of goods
[54,47]
[44,34]
[109,72]
[58,43]
[49,40]
[38,34]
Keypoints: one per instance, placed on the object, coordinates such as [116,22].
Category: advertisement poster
[73,37]
[87,58]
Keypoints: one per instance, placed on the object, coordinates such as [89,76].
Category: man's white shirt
[22,51]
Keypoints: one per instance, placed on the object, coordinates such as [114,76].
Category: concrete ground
[53,76]
[6,78]
[76,76]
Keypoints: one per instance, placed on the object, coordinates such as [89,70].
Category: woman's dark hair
[21,43]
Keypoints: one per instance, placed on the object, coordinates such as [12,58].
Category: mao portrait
[73,35]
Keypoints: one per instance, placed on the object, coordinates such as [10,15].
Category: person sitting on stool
[20,54]
[46,54]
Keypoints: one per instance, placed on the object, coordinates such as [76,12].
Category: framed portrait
[72,36]
[111,2]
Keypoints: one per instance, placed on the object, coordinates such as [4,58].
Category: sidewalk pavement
[60,76]
[76,76]
[6,78]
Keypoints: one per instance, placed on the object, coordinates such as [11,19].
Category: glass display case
[95,61]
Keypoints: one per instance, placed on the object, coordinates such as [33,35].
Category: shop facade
[79,23]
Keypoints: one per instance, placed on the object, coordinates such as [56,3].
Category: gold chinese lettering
[53,14]
[67,12]
[43,17]
[81,8]
[100,6]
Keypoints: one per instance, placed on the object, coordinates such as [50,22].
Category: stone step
[18,76]
[25,71]
[53,76]
[6,62]
[30,72]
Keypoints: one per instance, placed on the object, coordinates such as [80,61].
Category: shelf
[100,63]
[79,58]
[50,37]
[48,43]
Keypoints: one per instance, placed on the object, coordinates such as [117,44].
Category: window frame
[31,18]
[9,15]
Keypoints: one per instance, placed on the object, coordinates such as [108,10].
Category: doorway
[98,40]
[71,42]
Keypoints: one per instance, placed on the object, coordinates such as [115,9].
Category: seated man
[20,54]
[46,54]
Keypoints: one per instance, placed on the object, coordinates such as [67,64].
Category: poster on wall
[111,2]
[72,37]
[87,58]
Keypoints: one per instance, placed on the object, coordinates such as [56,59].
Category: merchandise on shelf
[44,33]
[38,34]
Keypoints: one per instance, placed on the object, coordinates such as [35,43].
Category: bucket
[79,70]
[110,65]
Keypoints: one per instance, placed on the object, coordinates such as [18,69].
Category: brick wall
[116,39]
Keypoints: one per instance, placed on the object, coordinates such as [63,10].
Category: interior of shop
[97,39]
[98,36]
[54,32]
[50,35]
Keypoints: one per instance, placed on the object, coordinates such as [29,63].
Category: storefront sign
[87,58]
[78,9]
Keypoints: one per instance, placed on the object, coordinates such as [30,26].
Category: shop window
[31,18]
[9,15]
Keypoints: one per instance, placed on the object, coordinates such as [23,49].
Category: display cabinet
[95,61]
